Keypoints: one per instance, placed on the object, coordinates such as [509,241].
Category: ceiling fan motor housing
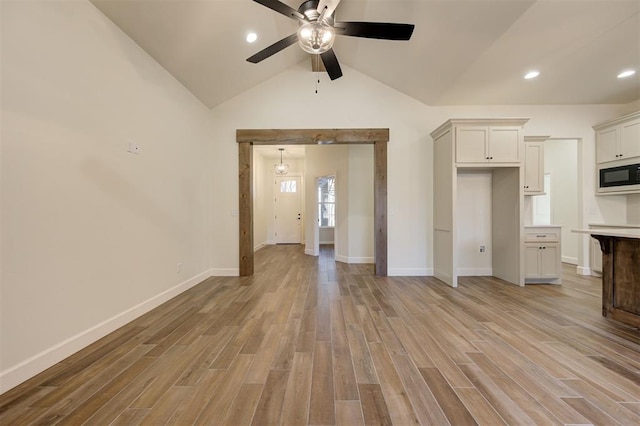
[309,9]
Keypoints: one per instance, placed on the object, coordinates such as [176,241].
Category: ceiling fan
[318,29]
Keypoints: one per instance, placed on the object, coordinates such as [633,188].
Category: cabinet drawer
[541,235]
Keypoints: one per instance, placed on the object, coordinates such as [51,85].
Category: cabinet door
[607,145]
[549,255]
[471,144]
[504,145]
[531,261]
[533,168]
[630,140]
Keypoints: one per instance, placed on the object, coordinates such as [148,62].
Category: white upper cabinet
[471,144]
[504,145]
[477,144]
[618,139]
[534,164]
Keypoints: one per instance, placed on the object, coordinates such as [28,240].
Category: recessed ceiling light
[626,73]
[531,74]
[251,37]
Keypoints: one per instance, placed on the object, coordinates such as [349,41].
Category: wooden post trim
[380,207]
[245,208]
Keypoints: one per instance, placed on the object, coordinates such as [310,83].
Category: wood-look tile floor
[309,341]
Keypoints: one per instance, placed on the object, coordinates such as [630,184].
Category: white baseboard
[445,278]
[224,272]
[570,260]
[310,252]
[475,272]
[327,242]
[259,246]
[410,272]
[582,270]
[28,368]
[361,260]
[347,259]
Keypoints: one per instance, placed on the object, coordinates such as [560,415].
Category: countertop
[611,232]
[543,226]
[614,225]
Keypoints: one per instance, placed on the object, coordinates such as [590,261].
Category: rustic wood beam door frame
[246,138]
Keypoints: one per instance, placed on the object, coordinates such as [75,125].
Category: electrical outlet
[178,268]
[133,147]
[483,249]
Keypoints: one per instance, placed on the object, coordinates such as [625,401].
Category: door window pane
[288,186]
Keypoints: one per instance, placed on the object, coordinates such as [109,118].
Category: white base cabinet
[596,258]
[542,255]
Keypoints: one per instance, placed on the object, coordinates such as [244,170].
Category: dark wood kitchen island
[620,273]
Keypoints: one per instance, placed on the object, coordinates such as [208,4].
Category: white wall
[326,235]
[91,234]
[561,161]
[473,221]
[262,197]
[360,204]
[633,209]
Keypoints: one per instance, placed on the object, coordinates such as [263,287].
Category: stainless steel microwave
[619,178]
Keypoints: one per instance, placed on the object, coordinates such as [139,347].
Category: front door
[288,210]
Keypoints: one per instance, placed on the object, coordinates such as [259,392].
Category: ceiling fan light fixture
[316,37]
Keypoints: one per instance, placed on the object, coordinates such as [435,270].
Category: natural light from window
[327,201]
[288,186]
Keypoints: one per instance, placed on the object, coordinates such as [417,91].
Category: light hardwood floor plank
[269,409]
[349,413]
[295,409]
[322,402]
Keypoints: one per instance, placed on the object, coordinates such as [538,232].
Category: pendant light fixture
[281,168]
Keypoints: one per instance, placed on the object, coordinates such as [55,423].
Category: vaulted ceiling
[463,52]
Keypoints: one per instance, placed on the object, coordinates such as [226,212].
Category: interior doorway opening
[247,138]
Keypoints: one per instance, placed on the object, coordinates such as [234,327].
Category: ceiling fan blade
[379,30]
[330,62]
[273,49]
[330,5]
[282,8]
